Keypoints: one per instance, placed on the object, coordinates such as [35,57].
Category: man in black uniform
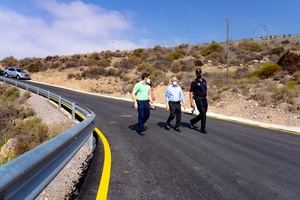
[198,93]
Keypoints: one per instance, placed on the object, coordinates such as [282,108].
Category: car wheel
[6,75]
[18,77]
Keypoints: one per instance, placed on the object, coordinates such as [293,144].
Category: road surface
[232,161]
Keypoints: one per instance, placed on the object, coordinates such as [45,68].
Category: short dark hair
[145,75]
[198,71]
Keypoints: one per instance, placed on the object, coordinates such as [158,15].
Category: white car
[16,72]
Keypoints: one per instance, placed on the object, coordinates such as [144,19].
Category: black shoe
[192,126]
[168,127]
[203,131]
[177,129]
[142,133]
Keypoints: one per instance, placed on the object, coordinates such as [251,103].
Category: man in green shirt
[141,96]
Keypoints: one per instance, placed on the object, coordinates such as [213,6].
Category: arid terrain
[27,120]
[263,79]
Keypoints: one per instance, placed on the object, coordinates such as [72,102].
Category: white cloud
[65,28]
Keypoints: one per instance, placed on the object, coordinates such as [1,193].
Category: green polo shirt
[141,91]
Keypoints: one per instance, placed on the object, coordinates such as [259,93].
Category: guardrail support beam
[73,111]
[59,102]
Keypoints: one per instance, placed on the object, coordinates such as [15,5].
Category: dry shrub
[8,94]
[266,70]
[124,64]
[241,72]
[250,46]
[93,73]
[175,54]
[296,77]
[27,134]
[74,76]
[214,47]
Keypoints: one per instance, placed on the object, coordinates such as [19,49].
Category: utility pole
[227,49]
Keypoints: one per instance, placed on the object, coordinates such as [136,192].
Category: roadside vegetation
[20,129]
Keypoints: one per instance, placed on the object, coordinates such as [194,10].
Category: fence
[27,175]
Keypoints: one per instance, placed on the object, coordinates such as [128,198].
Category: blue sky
[204,20]
[137,23]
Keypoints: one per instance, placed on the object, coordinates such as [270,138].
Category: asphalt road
[232,161]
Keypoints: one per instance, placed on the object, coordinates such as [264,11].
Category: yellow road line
[105,177]
[104,182]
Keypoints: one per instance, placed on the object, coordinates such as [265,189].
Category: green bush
[138,53]
[284,94]
[33,68]
[28,134]
[175,54]
[250,46]
[296,76]
[291,85]
[9,94]
[214,47]
[265,71]
[277,50]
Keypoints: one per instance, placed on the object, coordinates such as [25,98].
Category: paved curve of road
[232,161]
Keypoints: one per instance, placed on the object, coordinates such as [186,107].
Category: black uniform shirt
[199,88]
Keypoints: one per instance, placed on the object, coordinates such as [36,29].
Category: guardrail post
[48,95]
[38,91]
[91,141]
[27,86]
[16,83]
[73,111]
[59,102]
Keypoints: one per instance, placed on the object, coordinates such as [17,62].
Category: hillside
[259,87]
[25,122]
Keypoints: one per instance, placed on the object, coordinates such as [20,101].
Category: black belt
[176,102]
[199,98]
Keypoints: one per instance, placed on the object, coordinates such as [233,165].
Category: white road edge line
[283,128]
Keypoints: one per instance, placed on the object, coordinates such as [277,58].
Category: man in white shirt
[174,99]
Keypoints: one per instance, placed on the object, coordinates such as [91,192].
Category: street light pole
[227,49]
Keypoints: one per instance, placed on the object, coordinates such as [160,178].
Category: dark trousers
[202,106]
[143,114]
[175,110]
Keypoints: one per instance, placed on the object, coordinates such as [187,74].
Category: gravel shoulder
[58,121]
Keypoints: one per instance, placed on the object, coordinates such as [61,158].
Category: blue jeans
[144,114]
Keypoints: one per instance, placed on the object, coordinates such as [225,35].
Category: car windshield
[20,70]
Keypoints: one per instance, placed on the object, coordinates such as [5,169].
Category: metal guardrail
[27,175]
